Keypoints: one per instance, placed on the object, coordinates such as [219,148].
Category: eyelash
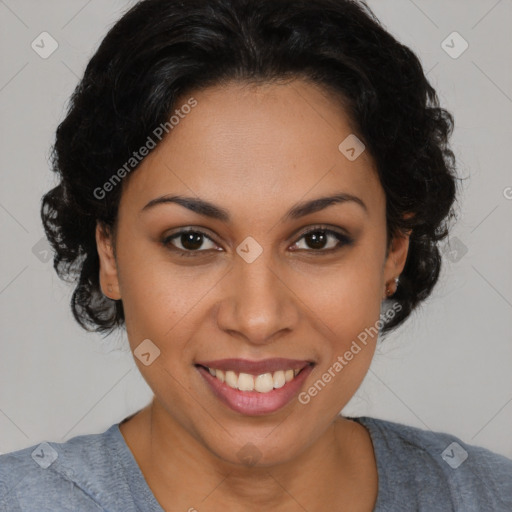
[342,239]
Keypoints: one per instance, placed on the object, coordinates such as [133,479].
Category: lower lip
[254,403]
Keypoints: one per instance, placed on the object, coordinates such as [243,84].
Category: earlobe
[108,276]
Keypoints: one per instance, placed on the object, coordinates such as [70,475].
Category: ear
[395,261]
[109,281]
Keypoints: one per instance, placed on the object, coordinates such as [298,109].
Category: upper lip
[255,367]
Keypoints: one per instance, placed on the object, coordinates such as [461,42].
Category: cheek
[163,302]
[347,302]
[346,297]
[159,297]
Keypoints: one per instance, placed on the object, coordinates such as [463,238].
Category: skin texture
[255,151]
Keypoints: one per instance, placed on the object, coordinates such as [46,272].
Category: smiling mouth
[255,387]
[262,383]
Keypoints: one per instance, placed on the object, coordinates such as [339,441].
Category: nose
[258,304]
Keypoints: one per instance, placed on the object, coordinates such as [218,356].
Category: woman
[256,190]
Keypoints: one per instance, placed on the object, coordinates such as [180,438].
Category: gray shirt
[418,471]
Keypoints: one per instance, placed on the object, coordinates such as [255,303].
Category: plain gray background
[447,369]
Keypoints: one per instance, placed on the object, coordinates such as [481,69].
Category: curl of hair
[162,49]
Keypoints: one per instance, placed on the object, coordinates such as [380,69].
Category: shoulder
[438,466]
[59,476]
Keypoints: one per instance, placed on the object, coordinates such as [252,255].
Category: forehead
[248,147]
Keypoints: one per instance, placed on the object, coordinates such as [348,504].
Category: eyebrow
[208,209]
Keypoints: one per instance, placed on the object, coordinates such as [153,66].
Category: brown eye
[322,240]
[317,239]
[189,241]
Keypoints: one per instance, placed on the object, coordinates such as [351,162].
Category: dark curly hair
[161,49]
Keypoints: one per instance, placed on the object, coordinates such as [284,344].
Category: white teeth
[279,379]
[246,382]
[262,383]
[231,379]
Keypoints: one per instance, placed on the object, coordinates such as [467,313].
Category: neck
[184,475]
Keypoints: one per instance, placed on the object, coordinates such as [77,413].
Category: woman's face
[249,284]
